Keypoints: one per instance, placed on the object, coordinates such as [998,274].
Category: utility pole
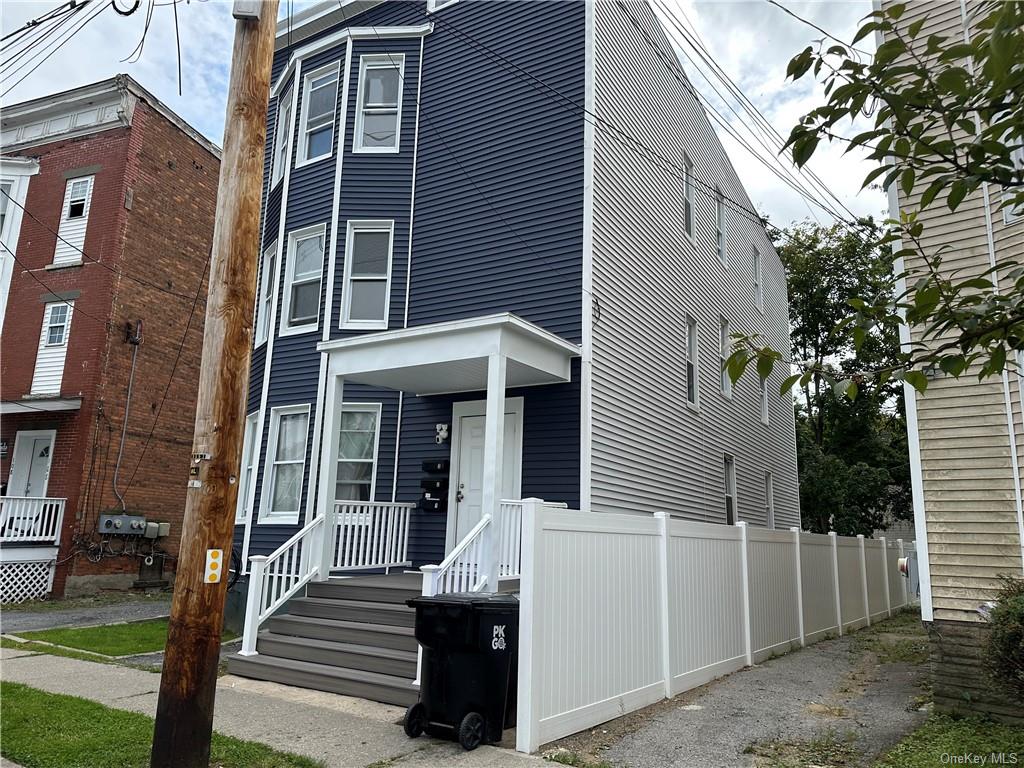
[184,715]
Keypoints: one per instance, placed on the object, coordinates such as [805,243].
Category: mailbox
[434,485]
[436,466]
[431,504]
[904,566]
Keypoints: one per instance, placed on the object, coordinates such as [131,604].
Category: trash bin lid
[476,600]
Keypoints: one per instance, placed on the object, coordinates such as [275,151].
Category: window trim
[285,328]
[769,499]
[278,170]
[366,225]
[765,413]
[729,471]
[688,223]
[375,408]
[758,278]
[247,469]
[77,255]
[269,462]
[1011,214]
[439,5]
[724,351]
[65,325]
[307,83]
[263,319]
[721,229]
[375,60]
[692,358]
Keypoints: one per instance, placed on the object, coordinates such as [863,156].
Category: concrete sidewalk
[340,731]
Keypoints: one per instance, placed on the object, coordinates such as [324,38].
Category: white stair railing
[510,538]
[275,578]
[370,535]
[462,570]
[30,519]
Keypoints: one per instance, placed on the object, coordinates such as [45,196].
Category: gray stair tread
[312,642]
[355,604]
[339,624]
[342,673]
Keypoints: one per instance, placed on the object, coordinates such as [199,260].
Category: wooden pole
[184,717]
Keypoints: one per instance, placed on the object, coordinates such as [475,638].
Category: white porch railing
[364,535]
[368,535]
[30,519]
[510,529]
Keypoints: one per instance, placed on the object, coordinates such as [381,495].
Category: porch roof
[37,404]
[452,356]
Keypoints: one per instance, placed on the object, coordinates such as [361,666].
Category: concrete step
[322,677]
[394,614]
[358,633]
[385,661]
[379,589]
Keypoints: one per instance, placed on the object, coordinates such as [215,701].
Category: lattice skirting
[26,580]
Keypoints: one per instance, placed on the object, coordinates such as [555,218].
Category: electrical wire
[24,47]
[61,9]
[56,296]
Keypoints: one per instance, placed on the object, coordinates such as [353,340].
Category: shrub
[1004,655]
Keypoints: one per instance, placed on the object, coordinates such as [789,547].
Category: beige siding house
[966,442]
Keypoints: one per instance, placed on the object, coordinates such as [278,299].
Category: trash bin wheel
[415,720]
[472,730]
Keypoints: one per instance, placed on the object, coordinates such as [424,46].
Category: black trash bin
[468,679]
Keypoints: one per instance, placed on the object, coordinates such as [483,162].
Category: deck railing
[370,535]
[25,519]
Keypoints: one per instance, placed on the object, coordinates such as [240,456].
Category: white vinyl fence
[619,611]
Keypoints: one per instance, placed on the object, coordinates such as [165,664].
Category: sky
[751,41]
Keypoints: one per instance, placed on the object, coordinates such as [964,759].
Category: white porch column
[333,398]
[494,442]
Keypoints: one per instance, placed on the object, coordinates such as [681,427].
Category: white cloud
[752,41]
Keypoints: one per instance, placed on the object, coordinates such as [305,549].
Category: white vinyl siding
[1013,213]
[283,474]
[692,362]
[379,103]
[721,244]
[358,441]
[265,306]
[243,507]
[53,348]
[74,220]
[282,136]
[300,310]
[319,105]
[756,278]
[366,296]
[687,195]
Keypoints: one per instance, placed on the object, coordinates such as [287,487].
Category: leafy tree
[948,118]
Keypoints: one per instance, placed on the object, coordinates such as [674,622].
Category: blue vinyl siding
[498,227]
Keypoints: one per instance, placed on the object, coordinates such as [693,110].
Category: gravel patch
[83,613]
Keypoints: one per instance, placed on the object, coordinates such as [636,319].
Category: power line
[90,259]
[50,290]
[811,24]
[48,16]
[29,42]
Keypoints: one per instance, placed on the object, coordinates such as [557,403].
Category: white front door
[467,474]
[30,464]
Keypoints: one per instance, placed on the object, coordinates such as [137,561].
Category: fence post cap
[741,523]
[661,514]
[533,500]
[258,558]
[794,529]
[429,568]
[860,535]
[833,534]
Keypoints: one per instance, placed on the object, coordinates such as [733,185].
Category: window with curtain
[357,452]
[289,430]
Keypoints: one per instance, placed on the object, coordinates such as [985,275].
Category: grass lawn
[942,735]
[48,730]
[111,639]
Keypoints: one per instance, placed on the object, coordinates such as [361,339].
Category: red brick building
[108,202]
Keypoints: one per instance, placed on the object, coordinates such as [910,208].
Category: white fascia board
[341,36]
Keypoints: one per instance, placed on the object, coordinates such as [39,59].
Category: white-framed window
[379,103]
[265,307]
[730,490]
[764,401]
[57,324]
[724,351]
[243,507]
[358,442]
[688,194]
[300,310]
[721,245]
[366,294]
[1012,213]
[282,137]
[319,104]
[756,277]
[6,192]
[74,220]
[285,464]
[692,369]
[769,499]
[437,5]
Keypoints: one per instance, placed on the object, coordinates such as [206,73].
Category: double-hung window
[730,489]
[764,401]
[301,308]
[48,376]
[692,383]
[357,451]
[724,351]
[73,221]
[758,290]
[286,463]
[245,488]
[319,103]
[57,325]
[769,499]
[720,228]
[379,103]
[688,194]
[367,290]
[282,136]
[266,301]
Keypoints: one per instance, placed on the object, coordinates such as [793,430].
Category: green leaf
[803,149]
[954,365]
[957,193]
[787,385]
[866,30]
[917,380]
[765,364]
[907,180]
[933,189]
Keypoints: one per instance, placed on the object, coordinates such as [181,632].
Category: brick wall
[960,684]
